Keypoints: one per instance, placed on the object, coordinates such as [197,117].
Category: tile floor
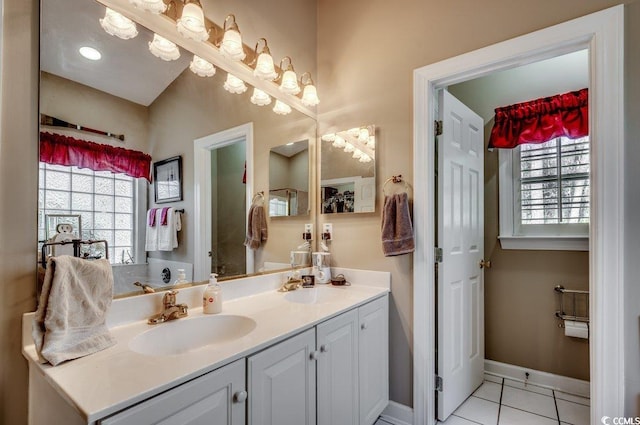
[501,401]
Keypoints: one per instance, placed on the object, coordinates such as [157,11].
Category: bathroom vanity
[310,356]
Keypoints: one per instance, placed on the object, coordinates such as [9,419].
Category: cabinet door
[374,359]
[216,398]
[337,342]
[282,383]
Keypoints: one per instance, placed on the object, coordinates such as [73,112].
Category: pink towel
[152,217]
[163,216]
[397,230]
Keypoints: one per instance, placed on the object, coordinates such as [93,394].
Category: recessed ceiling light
[90,53]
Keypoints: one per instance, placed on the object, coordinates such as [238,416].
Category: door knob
[313,355]
[485,264]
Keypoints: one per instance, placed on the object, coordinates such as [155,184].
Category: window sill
[545,243]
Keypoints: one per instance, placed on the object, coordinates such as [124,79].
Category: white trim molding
[202,148]
[397,414]
[603,34]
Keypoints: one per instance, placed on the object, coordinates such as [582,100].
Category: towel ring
[258,197]
[395,179]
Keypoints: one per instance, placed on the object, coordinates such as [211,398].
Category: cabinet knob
[363,326]
[240,397]
[313,355]
[324,348]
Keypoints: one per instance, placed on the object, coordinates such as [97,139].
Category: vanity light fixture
[264,67]
[260,98]
[154,6]
[191,23]
[201,67]
[231,46]
[90,53]
[310,93]
[281,108]
[331,137]
[348,147]
[163,48]
[339,142]
[117,25]
[234,84]
[289,79]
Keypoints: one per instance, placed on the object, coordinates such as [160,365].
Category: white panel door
[282,383]
[461,237]
[337,342]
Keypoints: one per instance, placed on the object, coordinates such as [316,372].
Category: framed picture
[167,178]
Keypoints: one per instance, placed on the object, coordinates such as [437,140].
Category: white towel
[151,231]
[168,234]
[70,319]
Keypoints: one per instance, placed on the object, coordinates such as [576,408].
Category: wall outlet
[307,235]
[327,231]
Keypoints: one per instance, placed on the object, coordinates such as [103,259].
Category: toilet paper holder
[577,296]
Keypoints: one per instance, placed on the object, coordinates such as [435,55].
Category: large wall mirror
[161,108]
[348,171]
[289,180]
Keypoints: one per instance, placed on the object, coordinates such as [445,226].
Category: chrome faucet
[171,310]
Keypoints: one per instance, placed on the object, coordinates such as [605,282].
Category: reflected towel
[70,319]
[397,230]
[164,215]
[151,231]
[256,227]
[168,234]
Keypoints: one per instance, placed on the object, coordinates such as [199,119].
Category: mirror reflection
[289,179]
[347,181]
[158,107]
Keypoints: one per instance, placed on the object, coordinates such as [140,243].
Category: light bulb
[265,69]
[117,25]
[363,135]
[310,95]
[153,6]
[260,98]
[281,108]
[289,84]
[348,147]
[357,154]
[234,84]
[339,142]
[163,48]
[231,46]
[201,67]
[191,23]
[331,137]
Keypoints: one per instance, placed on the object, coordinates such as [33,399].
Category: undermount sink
[184,335]
[316,295]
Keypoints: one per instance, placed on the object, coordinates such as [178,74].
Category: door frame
[602,33]
[202,148]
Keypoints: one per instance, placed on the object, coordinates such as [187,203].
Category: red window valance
[541,120]
[64,150]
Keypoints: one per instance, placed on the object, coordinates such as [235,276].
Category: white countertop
[111,380]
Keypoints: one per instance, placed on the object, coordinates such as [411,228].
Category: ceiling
[549,77]
[291,149]
[127,69]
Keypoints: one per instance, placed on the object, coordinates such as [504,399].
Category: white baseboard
[536,377]
[398,414]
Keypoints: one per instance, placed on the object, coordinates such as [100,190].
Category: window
[544,195]
[105,201]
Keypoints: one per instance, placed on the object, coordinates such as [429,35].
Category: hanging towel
[151,217]
[151,230]
[256,227]
[168,234]
[397,230]
[163,216]
[70,319]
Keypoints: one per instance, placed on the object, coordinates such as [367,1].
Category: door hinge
[438,254]
[437,127]
[438,383]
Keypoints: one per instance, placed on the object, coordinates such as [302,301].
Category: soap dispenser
[212,297]
[182,278]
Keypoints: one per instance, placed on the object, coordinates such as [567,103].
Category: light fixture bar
[165,25]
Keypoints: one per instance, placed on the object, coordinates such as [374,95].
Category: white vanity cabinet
[282,383]
[217,398]
[353,371]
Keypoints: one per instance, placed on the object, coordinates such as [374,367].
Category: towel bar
[573,293]
[76,248]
